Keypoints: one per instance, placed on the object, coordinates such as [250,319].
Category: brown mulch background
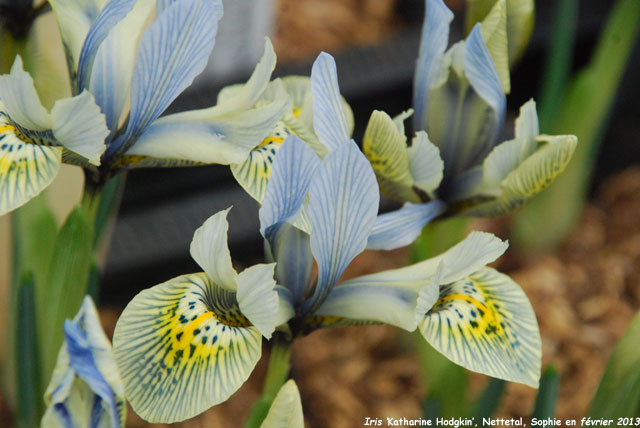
[584,297]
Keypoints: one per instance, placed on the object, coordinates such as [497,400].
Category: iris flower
[85,389]
[189,343]
[127,62]
[460,106]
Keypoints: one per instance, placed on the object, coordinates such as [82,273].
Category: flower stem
[277,374]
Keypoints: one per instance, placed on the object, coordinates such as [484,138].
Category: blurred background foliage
[578,255]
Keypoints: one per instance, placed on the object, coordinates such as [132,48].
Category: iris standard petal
[109,16]
[494,33]
[182,347]
[293,168]
[401,227]
[85,388]
[292,252]
[20,99]
[257,299]
[173,51]
[481,72]
[433,43]
[486,324]
[210,250]
[343,204]
[329,121]
[75,18]
[286,409]
[109,78]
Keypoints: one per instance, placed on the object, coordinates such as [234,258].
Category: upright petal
[109,77]
[494,33]
[343,204]
[257,299]
[427,167]
[292,252]
[401,227]
[75,19]
[173,51]
[85,389]
[182,347]
[293,168]
[433,43]
[210,250]
[112,13]
[20,99]
[329,121]
[486,324]
[481,71]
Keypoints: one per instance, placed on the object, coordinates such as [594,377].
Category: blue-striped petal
[85,389]
[112,13]
[329,121]
[485,323]
[343,204]
[293,168]
[401,227]
[182,347]
[172,52]
[433,43]
[109,77]
[292,252]
[481,72]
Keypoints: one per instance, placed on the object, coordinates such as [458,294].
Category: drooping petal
[25,169]
[112,13]
[286,409]
[486,324]
[433,43]
[371,302]
[257,299]
[494,33]
[401,227]
[464,258]
[329,121]
[532,176]
[343,204]
[386,148]
[293,169]
[109,77]
[173,51]
[427,167]
[182,347]
[85,389]
[75,18]
[210,250]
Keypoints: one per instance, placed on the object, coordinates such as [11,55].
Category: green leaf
[28,386]
[67,281]
[439,236]
[584,112]
[286,410]
[488,402]
[618,394]
[545,406]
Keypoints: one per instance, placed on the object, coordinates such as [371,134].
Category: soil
[584,296]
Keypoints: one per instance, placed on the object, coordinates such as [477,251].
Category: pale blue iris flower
[128,60]
[85,389]
[459,109]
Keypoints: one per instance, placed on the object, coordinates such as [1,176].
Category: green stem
[277,374]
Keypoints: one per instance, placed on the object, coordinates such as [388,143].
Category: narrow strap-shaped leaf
[545,406]
[182,347]
[486,324]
